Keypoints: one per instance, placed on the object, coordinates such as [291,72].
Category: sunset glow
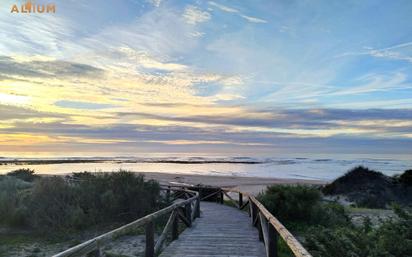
[207,76]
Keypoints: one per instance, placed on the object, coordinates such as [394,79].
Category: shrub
[392,239]
[406,178]
[75,202]
[23,174]
[13,193]
[54,205]
[301,205]
[130,196]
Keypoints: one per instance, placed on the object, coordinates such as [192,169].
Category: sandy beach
[252,185]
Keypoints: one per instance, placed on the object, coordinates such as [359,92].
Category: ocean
[298,167]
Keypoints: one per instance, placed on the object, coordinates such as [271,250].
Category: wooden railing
[184,210]
[269,227]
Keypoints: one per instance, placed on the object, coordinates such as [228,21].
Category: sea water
[320,167]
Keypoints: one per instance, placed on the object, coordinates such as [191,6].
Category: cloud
[82,105]
[51,68]
[8,112]
[236,11]
[377,83]
[288,129]
[253,19]
[156,3]
[308,123]
[402,52]
[193,15]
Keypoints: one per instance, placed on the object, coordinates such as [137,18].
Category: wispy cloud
[173,75]
[236,11]
[401,52]
[193,15]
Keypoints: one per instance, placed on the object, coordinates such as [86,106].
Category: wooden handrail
[270,228]
[294,245]
[95,244]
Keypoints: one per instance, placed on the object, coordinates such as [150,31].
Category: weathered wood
[195,210]
[293,244]
[163,236]
[272,244]
[188,213]
[231,199]
[175,227]
[218,237]
[259,227]
[264,230]
[244,205]
[221,231]
[251,212]
[182,216]
[150,229]
[94,243]
[197,213]
[210,195]
[168,194]
[256,220]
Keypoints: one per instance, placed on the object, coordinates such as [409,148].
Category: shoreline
[252,185]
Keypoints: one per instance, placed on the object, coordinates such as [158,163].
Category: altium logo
[30,7]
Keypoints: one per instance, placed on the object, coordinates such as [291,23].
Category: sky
[121,77]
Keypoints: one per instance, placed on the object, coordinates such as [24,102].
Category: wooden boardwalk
[213,229]
[220,231]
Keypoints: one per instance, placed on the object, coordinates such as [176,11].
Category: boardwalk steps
[220,231]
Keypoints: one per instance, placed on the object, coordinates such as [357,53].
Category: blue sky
[207,76]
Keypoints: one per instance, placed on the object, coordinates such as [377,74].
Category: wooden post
[197,214]
[150,229]
[254,214]
[273,237]
[260,229]
[188,210]
[240,200]
[168,194]
[221,197]
[175,227]
[252,218]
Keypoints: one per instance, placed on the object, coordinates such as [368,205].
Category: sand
[252,185]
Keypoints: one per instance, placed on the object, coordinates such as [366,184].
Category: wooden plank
[220,231]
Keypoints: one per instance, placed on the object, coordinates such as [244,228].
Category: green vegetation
[327,228]
[406,178]
[372,189]
[58,204]
[298,206]
[23,174]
